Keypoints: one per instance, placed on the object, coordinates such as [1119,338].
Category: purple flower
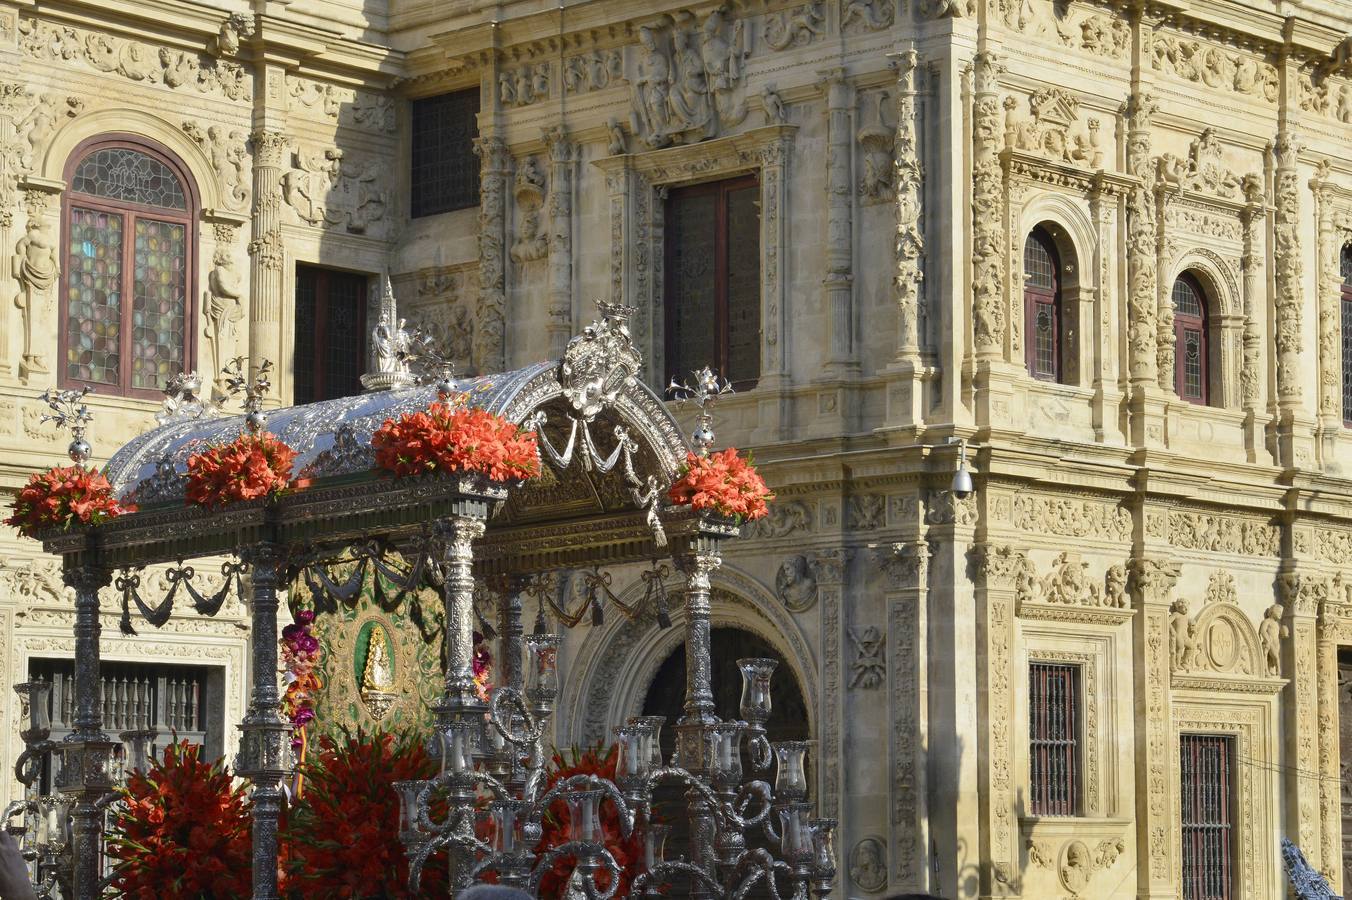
[302,717]
[305,617]
[291,632]
[307,644]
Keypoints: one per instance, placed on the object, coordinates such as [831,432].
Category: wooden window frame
[320,323]
[1203,325]
[722,337]
[1045,752]
[130,212]
[1033,297]
[1194,834]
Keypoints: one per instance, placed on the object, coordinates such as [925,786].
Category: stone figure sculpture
[36,265]
[1182,637]
[223,306]
[1270,634]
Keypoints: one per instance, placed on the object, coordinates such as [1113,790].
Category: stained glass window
[1042,306]
[1190,339]
[330,351]
[712,292]
[120,173]
[127,274]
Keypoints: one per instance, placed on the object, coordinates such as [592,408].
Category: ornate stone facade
[1191,561]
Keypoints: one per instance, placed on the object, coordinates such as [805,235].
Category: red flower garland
[183,831]
[344,835]
[249,467]
[447,437]
[723,482]
[627,851]
[62,496]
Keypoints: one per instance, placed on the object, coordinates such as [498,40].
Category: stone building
[1107,244]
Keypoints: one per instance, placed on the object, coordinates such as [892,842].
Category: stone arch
[51,162]
[1068,223]
[1225,316]
[1068,226]
[614,665]
[1227,642]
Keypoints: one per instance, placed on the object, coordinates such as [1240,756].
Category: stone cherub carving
[1069,582]
[36,265]
[1270,634]
[1182,637]
[1115,587]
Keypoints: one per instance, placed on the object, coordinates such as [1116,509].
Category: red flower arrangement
[723,482]
[344,835]
[454,437]
[300,656]
[628,852]
[183,831]
[249,467]
[62,496]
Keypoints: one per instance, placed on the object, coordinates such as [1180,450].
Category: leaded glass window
[1042,306]
[712,291]
[444,170]
[128,255]
[1191,363]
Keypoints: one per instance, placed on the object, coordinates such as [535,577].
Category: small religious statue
[223,306]
[1270,634]
[393,348]
[36,266]
[377,678]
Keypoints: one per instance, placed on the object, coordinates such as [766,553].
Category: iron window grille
[444,169]
[1206,801]
[1053,732]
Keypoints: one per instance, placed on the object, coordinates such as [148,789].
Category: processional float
[610,450]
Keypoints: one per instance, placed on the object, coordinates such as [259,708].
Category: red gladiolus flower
[249,467]
[723,482]
[456,438]
[63,496]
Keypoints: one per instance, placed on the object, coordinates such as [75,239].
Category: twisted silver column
[264,751]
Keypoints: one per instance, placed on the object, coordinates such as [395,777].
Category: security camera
[961,485]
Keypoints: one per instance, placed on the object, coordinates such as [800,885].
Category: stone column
[1153,582]
[698,562]
[999,573]
[830,567]
[773,411]
[267,253]
[1251,380]
[495,164]
[905,398]
[15,102]
[990,316]
[1147,399]
[1164,301]
[1328,301]
[1287,277]
[1303,593]
[839,280]
[562,159]
[264,753]
[906,566]
[1330,770]
[87,751]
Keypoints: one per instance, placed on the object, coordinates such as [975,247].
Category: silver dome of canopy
[595,385]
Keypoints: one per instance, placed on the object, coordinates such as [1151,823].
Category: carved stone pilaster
[831,567]
[1287,277]
[1303,594]
[267,253]
[906,567]
[774,158]
[562,160]
[1142,282]
[1250,379]
[495,164]
[1152,585]
[1330,770]
[839,280]
[1329,301]
[910,243]
[14,101]
[990,317]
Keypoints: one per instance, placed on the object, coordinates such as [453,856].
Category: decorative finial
[617,314]
[237,382]
[69,411]
[393,345]
[183,400]
[708,386]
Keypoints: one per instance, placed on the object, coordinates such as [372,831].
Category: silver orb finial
[707,387]
[237,382]
[68,410]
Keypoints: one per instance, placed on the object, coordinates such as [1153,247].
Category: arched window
[1346,266]
[127,222]
[1042,306]
[1190,340]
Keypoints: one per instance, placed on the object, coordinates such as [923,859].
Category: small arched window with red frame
[1042,305]
[1191,362]
[129,244]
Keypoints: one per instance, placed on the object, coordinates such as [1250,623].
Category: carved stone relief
[868,865]
[440,309]
[352,108]
[866,512]
[1071,517]
[1204,169]
[525,85]
[592,71]
[1076,864]
[786,517]
[796,584]
[796,27]
[875,146]
[531,241]
[1214,66]
[868,669]
[332,189]
[134,60]
[222,301]
[229,154]
[1220,639]
[988,305]
[867,15]
[1049,128]
[689,79]
[1223,534]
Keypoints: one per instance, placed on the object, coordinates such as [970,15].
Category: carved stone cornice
[1021,164]
[727,155]
[1077,615]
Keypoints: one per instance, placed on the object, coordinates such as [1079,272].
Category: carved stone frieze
[1050,128]
[134,60]
[866,512]
[1222,534]
[786,517]
[1071,517]
[797,26]
[1214,66]
[593,71]
[348,107]
[334,189]
[526,84]
[867,15]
